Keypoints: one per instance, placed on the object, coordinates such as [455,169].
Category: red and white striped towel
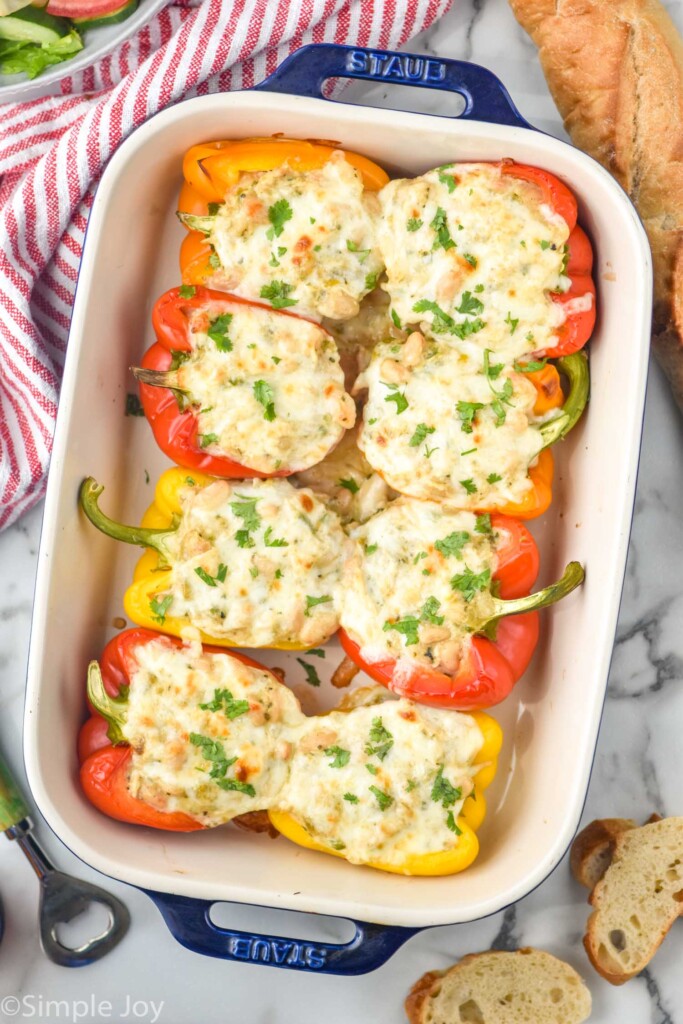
[52,152]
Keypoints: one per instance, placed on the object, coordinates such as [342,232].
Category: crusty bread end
[615,71]
[526,986]
[637,900]
[592,850]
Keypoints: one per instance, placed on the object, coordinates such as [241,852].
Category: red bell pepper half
[578,327]
[104,753]
[502,645]
[174,428]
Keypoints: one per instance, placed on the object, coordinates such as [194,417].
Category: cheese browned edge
[615,71]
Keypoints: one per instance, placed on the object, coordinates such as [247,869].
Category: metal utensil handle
[12,806]
[305,71]
[190,923]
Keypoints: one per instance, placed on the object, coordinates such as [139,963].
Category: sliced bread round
[637,900]
[593,848]
[526,986]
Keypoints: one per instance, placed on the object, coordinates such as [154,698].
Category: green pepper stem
[197,223]
[575,368]
[113,709]
[158,378]
[144,536]
[572,577]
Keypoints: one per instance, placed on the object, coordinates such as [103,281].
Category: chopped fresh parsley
[419,434]
[429,610]
[383,799]
[414,224]
[396,319]
[351,798]
[447,179]
[274,542]
[245,509]
[470,583]
[361,253]
[442,323]
[133,405]
[411,785]
[443,792]
[452,825]
[312,602]
[398,397]
[214,752]
[370,549]
[381,741]
[545,244]
[160,606]
[439,224]
[371,281]
[467,327]
[239,787]
[312,676]
[428,452]
[206,439]
[224,701]
[479,288]
[453,543]
[213,208]
[187,291]
[512,322]
[469,451]
[483,524]
[467,411]
[278,215]
[502,397]
[469,485]
[472,260]
[493,478]
[350,485]
[469,305]
[372,768]
[218,332]
[531,367]
[214,260]
[340,756]
[211,580]
[244,539]
[277,293]
[265,396]
[317,651]
[407,627]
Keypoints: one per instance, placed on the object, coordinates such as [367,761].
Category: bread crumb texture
[526,986]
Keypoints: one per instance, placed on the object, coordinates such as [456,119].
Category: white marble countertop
[638,767]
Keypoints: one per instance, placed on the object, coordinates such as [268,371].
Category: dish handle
[190,923]
[306,70]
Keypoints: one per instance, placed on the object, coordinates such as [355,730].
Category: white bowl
[97,43]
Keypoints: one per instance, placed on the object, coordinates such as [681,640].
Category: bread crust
[419,994]
[593,849]
[615,70]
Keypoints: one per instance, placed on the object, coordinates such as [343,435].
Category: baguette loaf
[526,986]
[637,900]
[615,70]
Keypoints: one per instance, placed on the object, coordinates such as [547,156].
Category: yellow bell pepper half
[152,576]
[448,862]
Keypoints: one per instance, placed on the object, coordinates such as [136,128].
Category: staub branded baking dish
[550,722]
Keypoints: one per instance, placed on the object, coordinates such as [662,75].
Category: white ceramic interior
[551,720]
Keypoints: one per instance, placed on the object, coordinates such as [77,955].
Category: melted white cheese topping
[268,388]
[383,783]
[213,738]
[486,251]
[212,762]
[347,483]
[417,582]
[448,431]
[306,238]
[257,563]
